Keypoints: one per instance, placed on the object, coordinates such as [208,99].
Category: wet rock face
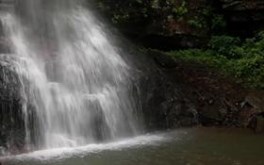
[257,123]
[162,100]
[11,122]
[164,105]
[254,102]
[181,94]
[4,45]
[12,133]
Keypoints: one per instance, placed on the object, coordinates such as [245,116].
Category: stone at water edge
[259,127]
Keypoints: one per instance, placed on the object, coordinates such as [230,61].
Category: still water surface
[197,146]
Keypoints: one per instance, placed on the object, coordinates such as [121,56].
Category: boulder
[257,123]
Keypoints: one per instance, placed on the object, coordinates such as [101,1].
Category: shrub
[242,60]
[225,45]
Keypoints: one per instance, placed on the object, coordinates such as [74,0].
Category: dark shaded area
[163,42]
[176,93]
[170,25]
[244,18]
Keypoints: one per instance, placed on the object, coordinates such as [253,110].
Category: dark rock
[169,42]
[163,101]
[252,107]
[165,106]
[244,18]
[2,151]
[257,123]
[4,45]
[12,133]
[4,48]
[163,61]
[180,94]
[256,102]
[100,130]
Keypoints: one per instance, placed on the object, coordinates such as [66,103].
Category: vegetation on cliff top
[164,17]
[190,24]
[243,60]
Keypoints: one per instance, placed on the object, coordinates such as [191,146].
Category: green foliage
[180,11]
[197,22]
[225,45]
[142,11]
[207,18]
[242,60]
[218,22]
[164,16]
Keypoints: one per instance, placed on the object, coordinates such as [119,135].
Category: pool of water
[198,146]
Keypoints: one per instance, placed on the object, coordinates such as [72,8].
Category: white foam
[64,153]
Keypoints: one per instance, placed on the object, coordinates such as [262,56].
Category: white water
[64,153]
[74,83]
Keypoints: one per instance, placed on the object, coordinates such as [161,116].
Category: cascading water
[74,83]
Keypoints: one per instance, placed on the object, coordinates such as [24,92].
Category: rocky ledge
[180,94]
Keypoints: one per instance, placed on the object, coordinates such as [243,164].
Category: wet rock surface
[12,133]
[182,94]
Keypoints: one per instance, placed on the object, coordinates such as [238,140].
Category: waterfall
[74,84]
